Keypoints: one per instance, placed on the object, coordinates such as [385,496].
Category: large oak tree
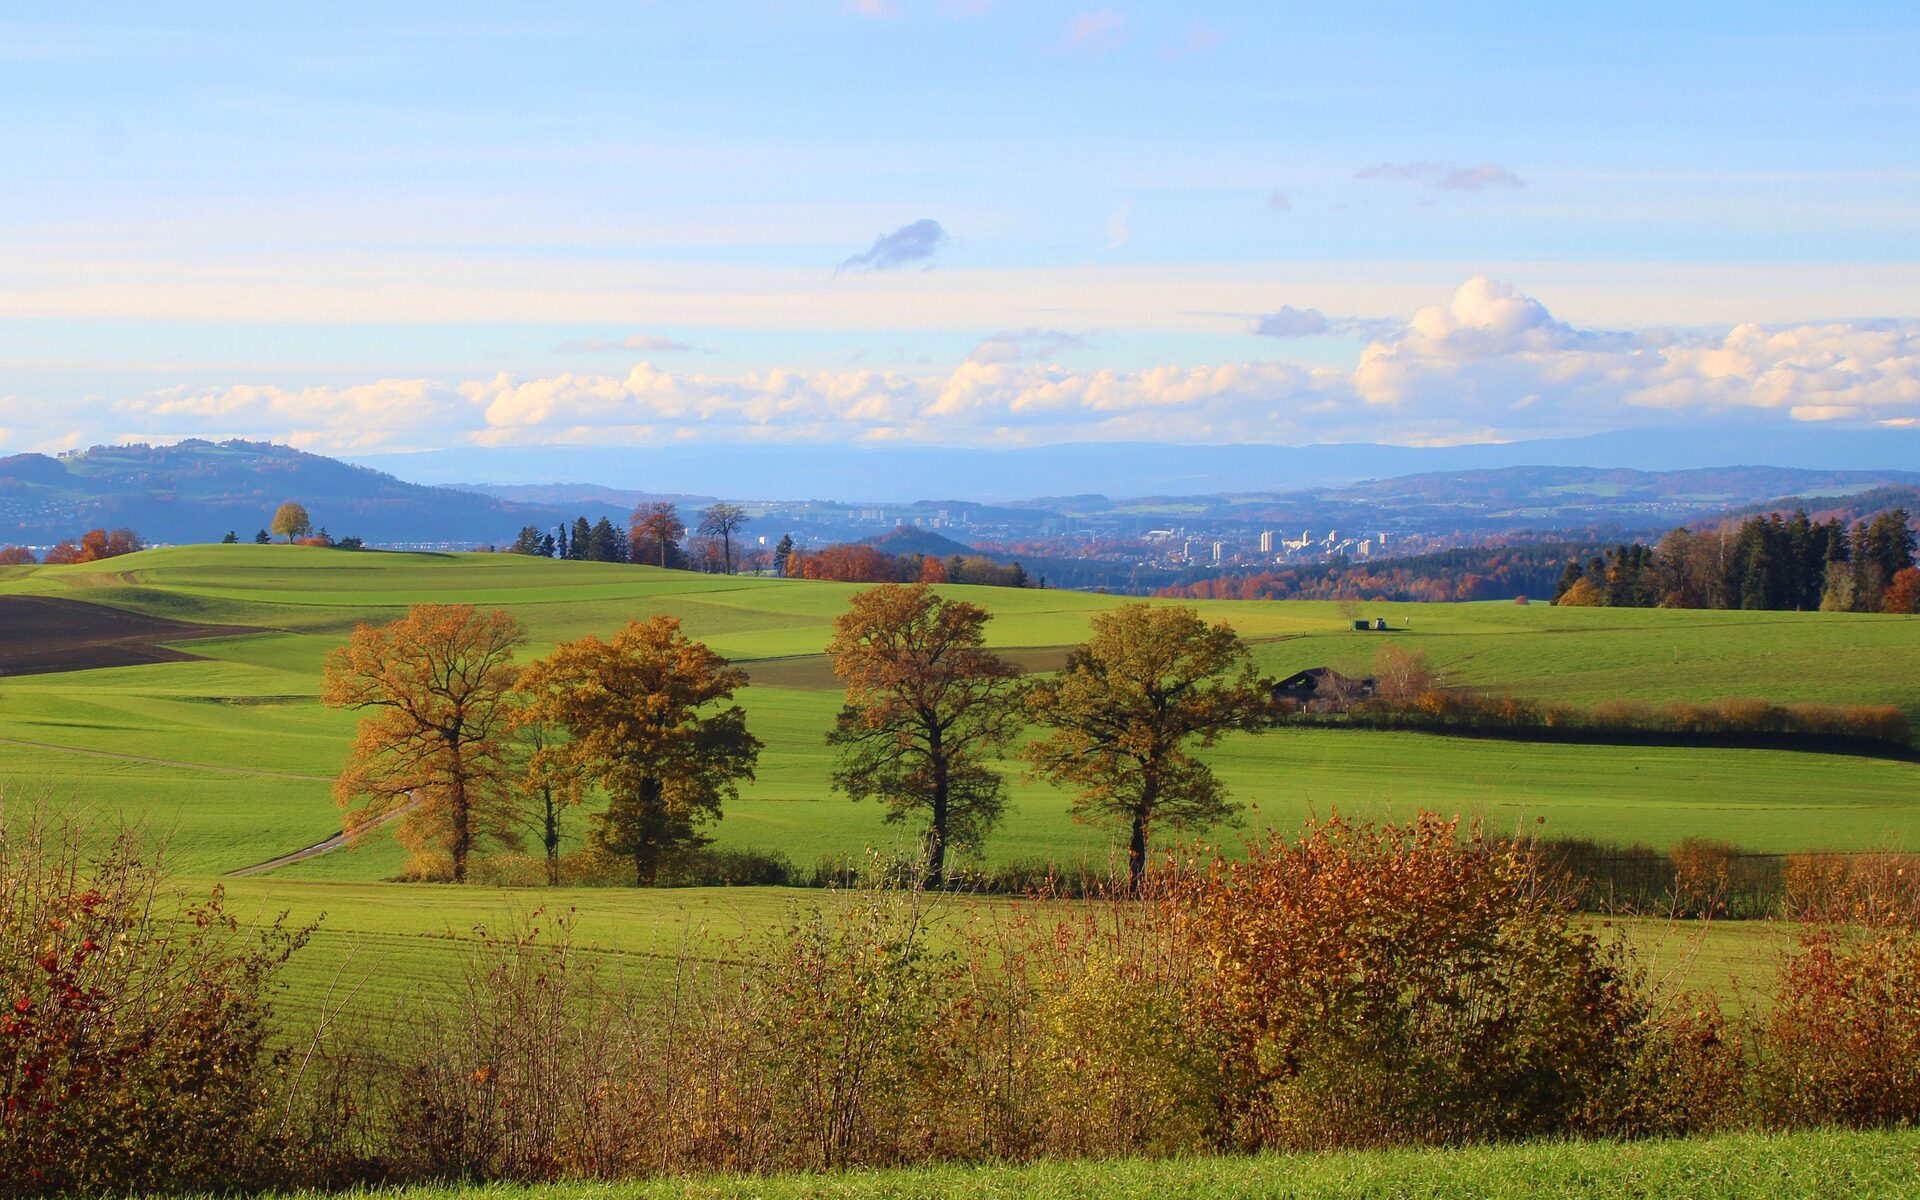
[1149,685]
[925,705]
[437,688]
[646,718]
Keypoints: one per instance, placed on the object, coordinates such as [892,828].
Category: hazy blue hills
[198,490]
[195,491]
[792,471]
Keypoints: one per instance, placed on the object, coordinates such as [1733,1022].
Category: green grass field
[1820,1165]
[243,749]
[229,756]
[378,947]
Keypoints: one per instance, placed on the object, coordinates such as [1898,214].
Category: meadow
[230,753]
[226,755]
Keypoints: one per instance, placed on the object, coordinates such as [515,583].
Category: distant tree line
[655,536]
[852,562]
[91,546]
[1767,562]
[1466,573]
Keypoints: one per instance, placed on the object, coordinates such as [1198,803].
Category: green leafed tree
[926,706]
[1150,685]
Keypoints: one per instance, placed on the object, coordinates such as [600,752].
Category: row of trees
[1767,562]
[852,562]
[462,746]
[91,546]
[655,536]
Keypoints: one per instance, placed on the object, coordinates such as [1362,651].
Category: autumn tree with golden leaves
[437,690]
[1149,684]
[925,705]
[646,718]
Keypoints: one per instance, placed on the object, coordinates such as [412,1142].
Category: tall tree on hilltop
[723,520]
[647,720]
[528,542]
[437,688]
[291,521]
[926,703]
[1148,684]
[781,553]
[656,533]
[580,541]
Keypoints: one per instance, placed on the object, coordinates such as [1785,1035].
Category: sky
[366,228]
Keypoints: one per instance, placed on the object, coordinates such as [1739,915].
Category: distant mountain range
[786,471]
[1505,500]
[196,491]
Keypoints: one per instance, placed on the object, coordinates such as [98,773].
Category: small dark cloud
[1486,177]
[645,343]
[912,243]
[1279,202]
[1291,322]
[1025,345]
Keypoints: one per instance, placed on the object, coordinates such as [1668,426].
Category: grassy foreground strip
[1823,1164]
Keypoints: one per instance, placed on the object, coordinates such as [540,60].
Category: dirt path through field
[323,846]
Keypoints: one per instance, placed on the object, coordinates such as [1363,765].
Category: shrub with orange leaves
[134,1026]
[1843,1041]
[1380,984]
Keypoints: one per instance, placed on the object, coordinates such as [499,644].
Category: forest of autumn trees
[1767,562]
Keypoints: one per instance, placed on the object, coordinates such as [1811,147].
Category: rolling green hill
[231,752]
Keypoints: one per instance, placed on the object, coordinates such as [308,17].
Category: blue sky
[953,221]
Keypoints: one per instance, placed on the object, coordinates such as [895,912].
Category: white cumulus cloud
[1487,361]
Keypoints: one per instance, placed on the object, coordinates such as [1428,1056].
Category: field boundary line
[163,762]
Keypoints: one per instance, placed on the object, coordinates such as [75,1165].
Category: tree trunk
[937,835]
[1137,853]
[552,837]
[1137,844]
[462,822]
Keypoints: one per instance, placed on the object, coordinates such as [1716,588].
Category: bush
[1387,984]
[133,1026]
[1843,1042]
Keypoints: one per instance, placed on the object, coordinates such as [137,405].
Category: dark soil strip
[43,635]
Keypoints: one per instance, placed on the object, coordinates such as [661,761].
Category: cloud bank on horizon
[1488,363]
